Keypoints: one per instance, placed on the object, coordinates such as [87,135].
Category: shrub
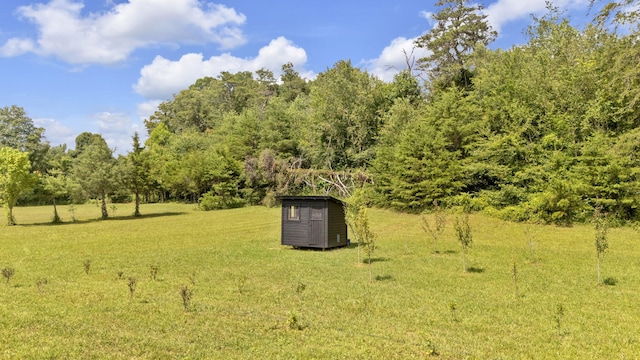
[211,201]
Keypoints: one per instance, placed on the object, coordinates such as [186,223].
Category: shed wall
[336,225]
[330,232]
[295,232]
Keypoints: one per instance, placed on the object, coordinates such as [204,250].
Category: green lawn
[253,298]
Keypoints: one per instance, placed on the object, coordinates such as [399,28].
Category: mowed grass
[253,298]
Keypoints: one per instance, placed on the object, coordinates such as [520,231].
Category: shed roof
[331,198]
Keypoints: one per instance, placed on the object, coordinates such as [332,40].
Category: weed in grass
[153,269]
[299,288]
[41,283]
[187,294]
[430,348]
[120,275]
[558,317]
[365,303]
[242,284]
[192,278]
[132,285]
[87,266]
[452,311]
[530,236]
[8,273]
[514,272]
[610,281]
[113,209]
[294,321]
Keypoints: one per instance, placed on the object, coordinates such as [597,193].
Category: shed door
[316,225]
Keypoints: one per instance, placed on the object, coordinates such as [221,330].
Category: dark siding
[336,225]
[295,232]
[298,232]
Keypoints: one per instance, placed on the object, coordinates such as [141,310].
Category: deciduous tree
[94,170]
[16,179]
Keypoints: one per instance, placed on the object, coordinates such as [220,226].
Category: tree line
[545,131]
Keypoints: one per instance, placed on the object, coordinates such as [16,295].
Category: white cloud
[16,46]
[117,129]
[56,132]
[428,15]
[504,11]
[394,57]
[111,37]
[163,77]
[147,108]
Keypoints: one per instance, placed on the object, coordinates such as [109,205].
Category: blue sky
[104,65]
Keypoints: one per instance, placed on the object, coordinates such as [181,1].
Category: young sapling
[437,228]
[463,232]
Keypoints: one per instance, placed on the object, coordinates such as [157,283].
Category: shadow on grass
[352,245]
[475,270]
[113,218]
[365,260]
[384,277]
[305,248]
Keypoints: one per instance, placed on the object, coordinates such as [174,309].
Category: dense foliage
[547,131]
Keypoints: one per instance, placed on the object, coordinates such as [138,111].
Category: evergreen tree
[460,29]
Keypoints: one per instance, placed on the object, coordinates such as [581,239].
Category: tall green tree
[136,172]
[94,170]
[18,131]
[345,119]
[16,179]
[160,156]
[292,85]
[460,29]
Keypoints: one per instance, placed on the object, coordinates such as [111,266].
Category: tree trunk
[56,217]
[137,210]
[599,282]
[10,220]
[464,260]
[105,214]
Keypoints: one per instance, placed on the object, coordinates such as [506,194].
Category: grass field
[253,298]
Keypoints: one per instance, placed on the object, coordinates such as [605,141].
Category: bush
[211,201]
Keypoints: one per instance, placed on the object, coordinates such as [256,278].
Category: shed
[313,222]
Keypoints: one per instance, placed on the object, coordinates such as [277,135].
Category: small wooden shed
[313,222]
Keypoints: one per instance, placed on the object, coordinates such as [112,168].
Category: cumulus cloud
[163,77]
[110,37]
[394,57]
[146,109]
[502,12]
[117,129]
[56,132]
[16,46]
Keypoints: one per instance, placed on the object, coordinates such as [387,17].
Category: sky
[103,66]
